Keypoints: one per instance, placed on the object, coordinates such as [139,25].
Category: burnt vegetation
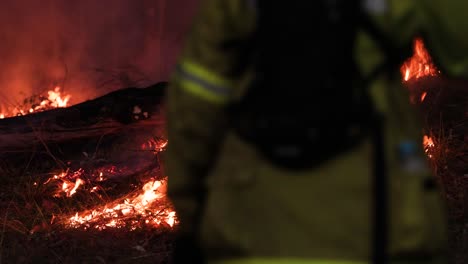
[110,148]
[443,106]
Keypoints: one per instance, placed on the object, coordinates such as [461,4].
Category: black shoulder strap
[307,79]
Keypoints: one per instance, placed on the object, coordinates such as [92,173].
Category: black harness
[308,102]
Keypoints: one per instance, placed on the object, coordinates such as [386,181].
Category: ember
[155,145]
[90,170]
[147,207]
[144,208]
[428,144]
[68,183]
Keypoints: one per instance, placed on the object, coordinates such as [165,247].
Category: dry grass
[445,115]
[32,230]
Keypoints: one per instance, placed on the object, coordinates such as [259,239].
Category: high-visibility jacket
[254,212]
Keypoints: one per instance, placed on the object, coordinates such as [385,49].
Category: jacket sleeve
[199,92]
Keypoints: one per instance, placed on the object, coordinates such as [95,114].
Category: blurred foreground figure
[276,152]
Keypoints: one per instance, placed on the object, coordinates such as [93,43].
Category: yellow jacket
[253,209]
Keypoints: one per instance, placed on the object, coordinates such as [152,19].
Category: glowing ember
[420,64]
[423,96]
[67,182]
[54,99]
[428,144]
[155,145]
[101,177]
[146,207]
[75,187]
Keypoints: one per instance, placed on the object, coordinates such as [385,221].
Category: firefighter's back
[256,209]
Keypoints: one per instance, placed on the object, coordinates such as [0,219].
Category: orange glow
[146,207]
[155,145]
[420,64]
[54,99]
[76,186]
[423,96]
[67,183]
[428,144]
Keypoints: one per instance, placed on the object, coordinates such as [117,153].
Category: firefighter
[254,192]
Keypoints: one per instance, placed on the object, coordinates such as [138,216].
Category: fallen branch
[117,112]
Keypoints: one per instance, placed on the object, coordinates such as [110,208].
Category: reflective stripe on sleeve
[203,82]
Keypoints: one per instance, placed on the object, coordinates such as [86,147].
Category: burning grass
[54,98]
[87,207]
[62,209]
[443,105]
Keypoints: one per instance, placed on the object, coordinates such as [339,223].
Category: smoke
[88,47]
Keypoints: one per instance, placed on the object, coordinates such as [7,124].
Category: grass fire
[90,169]
[442,104]
[53,99]
[80,136]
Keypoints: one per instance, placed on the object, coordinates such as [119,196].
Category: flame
[429,145]
[145,204]
[54,99]
[420,64]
